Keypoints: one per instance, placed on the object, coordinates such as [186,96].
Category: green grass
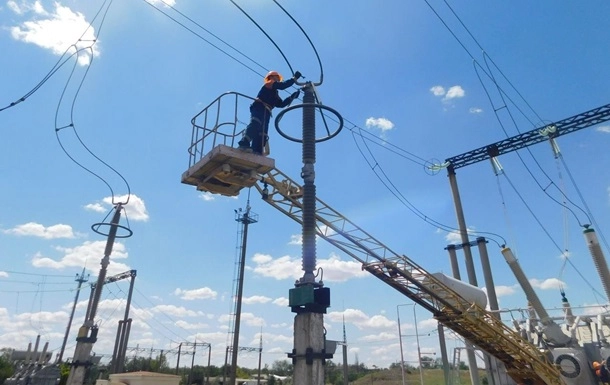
[431,377]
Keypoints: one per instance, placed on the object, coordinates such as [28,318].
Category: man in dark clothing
[260,110]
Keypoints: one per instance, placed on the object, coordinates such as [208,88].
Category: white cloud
[97,207]
[296,239]
[361,320]
[24,7]
[201,293]
[605,129]
[453,92]
[383,336]
[56,31]
[286,267]
[38,230]
[454,237]
[3,274]
[382,124]
[191,326]
[282,301]
[437,90]
[429,323]
[206,196]
[502,290]
[89,253]
[177,311]
[475,110]
[135,209]
[547,284]
[255,299]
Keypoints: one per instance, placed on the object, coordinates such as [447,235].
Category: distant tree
[6,367]
[64,371]
[332,372]
[427,362]
[282,368]
[158,364]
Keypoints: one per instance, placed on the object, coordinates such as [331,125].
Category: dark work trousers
[258,128]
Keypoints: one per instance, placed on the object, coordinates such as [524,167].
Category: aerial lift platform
[215,165]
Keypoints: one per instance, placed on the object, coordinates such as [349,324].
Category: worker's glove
[297,75]
[295,95]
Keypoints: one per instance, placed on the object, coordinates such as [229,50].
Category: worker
[260,111]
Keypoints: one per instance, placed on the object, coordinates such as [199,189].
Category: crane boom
[553,130]
[523,360]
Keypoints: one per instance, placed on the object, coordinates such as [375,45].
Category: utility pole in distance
[80,279]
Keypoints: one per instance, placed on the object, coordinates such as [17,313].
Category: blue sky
[396,72]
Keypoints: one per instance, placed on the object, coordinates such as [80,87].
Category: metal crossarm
[553,130]
[523,361]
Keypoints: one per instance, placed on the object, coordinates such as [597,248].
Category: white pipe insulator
[598,259]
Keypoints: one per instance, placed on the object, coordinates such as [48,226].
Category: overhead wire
[204,39]
[164,314]
[105,7]
[518,154]
[385,180]
[593,289]
[265,33]
[308,39]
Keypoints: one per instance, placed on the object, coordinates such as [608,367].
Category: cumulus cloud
[282,301]
[201,293]
[548,284]
[296,239]
[286,267]
[382,124]
[361,320]
[3,274]
[191,326]
[502,290]
[454,237]
[437,91]
[380,337]
[37,230]
[135,209]
[87,254]
[56,30]
[475,110]
[177,311]
[206,196]
[255,299]
[453,92]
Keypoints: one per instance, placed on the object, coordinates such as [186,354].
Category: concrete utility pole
[87,334]
[80,279]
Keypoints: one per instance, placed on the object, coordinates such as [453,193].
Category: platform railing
[221,122]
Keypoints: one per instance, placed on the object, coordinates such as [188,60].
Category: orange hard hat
[273,73]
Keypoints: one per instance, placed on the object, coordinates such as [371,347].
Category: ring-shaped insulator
[303,105]
[95,227]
